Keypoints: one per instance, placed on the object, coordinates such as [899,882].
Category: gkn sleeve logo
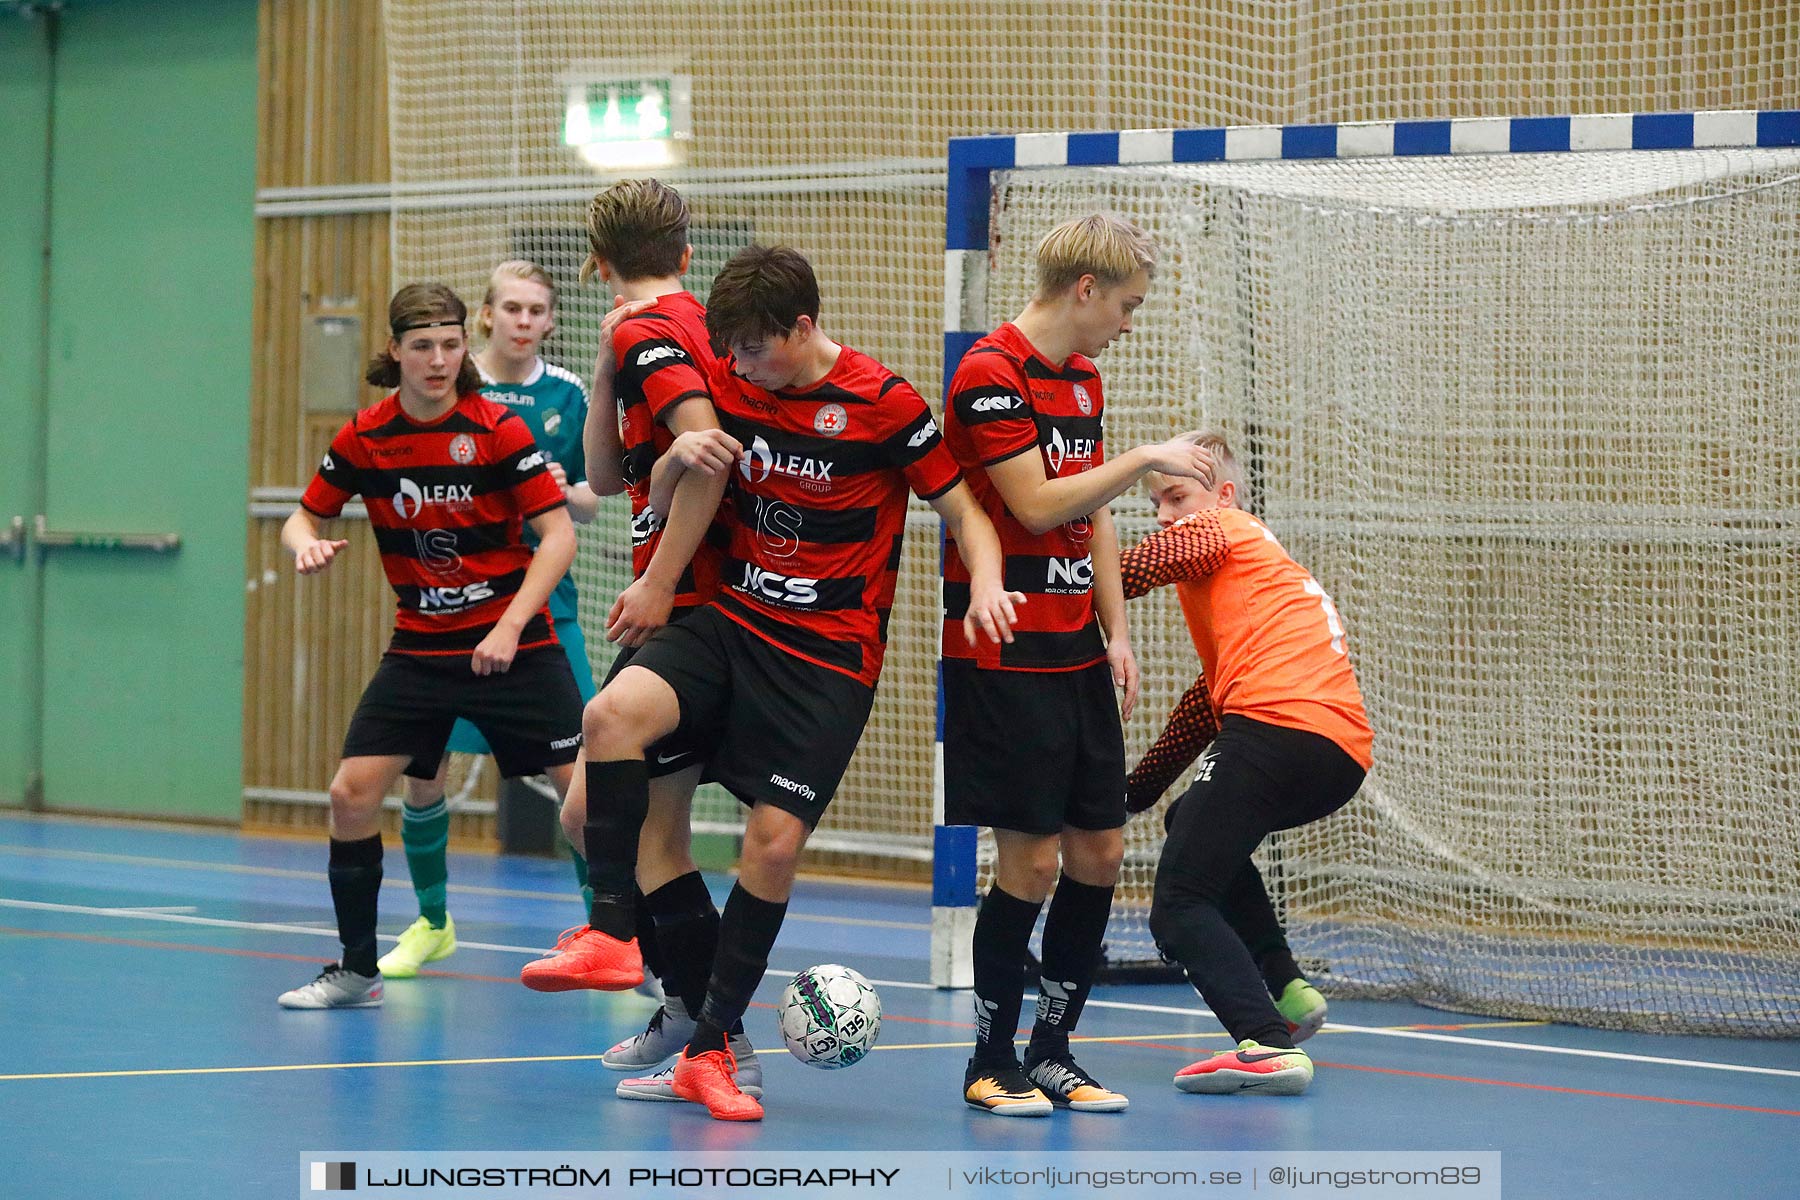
[658,353]
[925,434]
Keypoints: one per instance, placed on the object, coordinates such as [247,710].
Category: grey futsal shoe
[669,1030]
[336,988]
[661,1085]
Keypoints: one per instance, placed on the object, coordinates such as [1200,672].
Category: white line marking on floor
[1330,1027]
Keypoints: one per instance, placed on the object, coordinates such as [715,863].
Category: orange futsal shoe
[710,1078]
[586,958]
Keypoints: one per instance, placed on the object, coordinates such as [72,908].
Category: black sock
[1073,932]
[747,931]
[355,875]
[1002,934]
[654,960]
[687,930]
[1278,968]
[618,797]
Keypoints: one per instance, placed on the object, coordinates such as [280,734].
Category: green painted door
[137,659]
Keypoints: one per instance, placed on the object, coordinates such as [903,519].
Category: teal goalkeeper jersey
[554,404]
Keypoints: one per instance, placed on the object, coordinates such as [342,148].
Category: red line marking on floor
[1567,1091]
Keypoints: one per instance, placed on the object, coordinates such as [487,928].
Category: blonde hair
[638,227]
[419,306]
[1109,248]
[1226,468]
[512,268]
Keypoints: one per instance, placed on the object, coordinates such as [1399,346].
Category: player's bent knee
[613,725]
[353,803]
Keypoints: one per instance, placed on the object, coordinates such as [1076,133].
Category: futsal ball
[830,1017]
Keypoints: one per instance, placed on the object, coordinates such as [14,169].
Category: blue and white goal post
[985,281]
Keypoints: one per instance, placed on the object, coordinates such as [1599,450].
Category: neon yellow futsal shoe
[1301,1006]
[418,945]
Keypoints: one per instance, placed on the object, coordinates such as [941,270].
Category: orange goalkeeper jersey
[1270,641]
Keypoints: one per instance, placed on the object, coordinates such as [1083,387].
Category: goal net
[1533,420]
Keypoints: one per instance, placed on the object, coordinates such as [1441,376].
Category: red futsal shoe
[710,1078]
[586,958]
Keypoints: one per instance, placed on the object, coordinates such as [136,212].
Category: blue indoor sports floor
[142,1052]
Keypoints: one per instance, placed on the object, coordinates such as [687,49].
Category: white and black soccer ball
[830,1017]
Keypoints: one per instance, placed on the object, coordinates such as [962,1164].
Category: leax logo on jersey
[760,462]
[1077,452]
[411,499]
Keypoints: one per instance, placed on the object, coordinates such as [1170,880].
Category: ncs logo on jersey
[1083,401]
[454,599]
[462,449]
[831,419]
[780,589]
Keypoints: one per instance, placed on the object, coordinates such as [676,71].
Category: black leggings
[1255,778]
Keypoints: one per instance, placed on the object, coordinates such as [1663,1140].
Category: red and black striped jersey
[448,502]
[1006,400]
[818,507]
[664,357]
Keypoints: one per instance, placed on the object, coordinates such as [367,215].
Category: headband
[400,329]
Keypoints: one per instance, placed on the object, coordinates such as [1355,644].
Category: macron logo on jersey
[658,353]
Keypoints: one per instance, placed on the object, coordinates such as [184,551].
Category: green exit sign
[628,121]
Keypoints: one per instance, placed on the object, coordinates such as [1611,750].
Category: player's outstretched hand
[621,309]
[1125,674]
[316,557]
[495,654]
[994,611]
[707,451]
[1183,456]
[640,611]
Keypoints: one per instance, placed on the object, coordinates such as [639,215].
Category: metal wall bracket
[154,543]
[12,542]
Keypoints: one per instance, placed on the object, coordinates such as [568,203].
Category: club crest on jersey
[553,421]
[462,449]
[760,462]
[831,419]
[1083,401]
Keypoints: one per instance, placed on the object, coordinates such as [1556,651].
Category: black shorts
[1032,751]
[773,728]
[530,714]
[670,755]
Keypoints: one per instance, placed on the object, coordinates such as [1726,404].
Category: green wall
[24,98]
[151,229]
